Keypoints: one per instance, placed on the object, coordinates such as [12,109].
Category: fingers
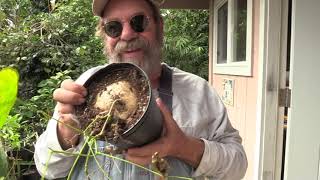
[143,155]
[163,108]
[141,151]
[148,150]
[170,124]
[70,93]
[68,97]
[65,108]
[67,130]
[70,85]
[174,137]
[141,160]
[69,121]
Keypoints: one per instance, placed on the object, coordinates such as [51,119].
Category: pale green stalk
[68,153]
[69,126]
[77,158]
[105,125]
[89,141]
[47,164]
[11,169]
[115,163]
[126,161]
[179,177]
[99,166]
[142,167]
[108,117]
[98,118]
[86,164]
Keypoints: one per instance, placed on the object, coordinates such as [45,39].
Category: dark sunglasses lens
[139,23]
[113,28]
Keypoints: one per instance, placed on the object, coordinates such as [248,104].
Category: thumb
[168,119]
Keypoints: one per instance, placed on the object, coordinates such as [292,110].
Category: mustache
[137,43]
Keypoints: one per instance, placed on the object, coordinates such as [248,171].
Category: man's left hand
[173,143]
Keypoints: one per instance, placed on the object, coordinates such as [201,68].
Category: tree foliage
[47,41]
[186,40]
[42,39]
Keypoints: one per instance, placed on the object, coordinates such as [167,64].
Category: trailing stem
[77,158]
[108,118]
[47,163]
[99,166]
[86,164]
[90,140]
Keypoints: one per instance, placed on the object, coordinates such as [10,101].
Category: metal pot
[149,126]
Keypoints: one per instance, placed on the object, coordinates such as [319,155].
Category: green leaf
[2,16]
[8,92]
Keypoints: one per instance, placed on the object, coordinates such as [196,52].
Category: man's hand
[67,96]
[173,143]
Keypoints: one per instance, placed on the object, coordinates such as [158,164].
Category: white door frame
[272,61]
[303,144]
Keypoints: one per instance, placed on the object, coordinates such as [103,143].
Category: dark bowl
[148,127]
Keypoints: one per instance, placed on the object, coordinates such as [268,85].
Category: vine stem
[77,158]
[99,166]
[126,161]
[142,167]
[107,116]
[179,177]
[86,163]
[104,125]
[69,126]
[107,155]
[68,153]
[47,163]
[89,140]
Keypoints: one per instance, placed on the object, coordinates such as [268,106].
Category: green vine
[91,141]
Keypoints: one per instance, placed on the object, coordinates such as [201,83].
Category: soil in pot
[123,94]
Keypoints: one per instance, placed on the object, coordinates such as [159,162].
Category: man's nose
[128,33]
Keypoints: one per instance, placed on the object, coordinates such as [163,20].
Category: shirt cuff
[209,159]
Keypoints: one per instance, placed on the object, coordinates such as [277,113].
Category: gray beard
[149,63]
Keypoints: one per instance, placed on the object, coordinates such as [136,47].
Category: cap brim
[98,6]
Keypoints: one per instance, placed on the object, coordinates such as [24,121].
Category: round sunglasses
[138,23]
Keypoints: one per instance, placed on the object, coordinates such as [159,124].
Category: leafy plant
[28,118]
[35,112]
[8,93]
[10,132]
[3,162]
[41,38]
[186,40]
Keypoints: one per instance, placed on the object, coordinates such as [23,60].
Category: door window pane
[222,34]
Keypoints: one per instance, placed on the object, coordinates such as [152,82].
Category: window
[222,34]
[232,37]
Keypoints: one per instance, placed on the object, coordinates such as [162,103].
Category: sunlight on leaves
[8,92]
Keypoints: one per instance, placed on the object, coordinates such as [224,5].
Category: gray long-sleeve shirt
[198,111]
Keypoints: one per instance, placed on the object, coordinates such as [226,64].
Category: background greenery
[49,41]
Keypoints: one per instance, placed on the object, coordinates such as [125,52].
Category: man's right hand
[68,95]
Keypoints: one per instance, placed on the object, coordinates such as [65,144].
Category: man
[198,139]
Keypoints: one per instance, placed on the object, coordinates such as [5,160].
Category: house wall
[243,113]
